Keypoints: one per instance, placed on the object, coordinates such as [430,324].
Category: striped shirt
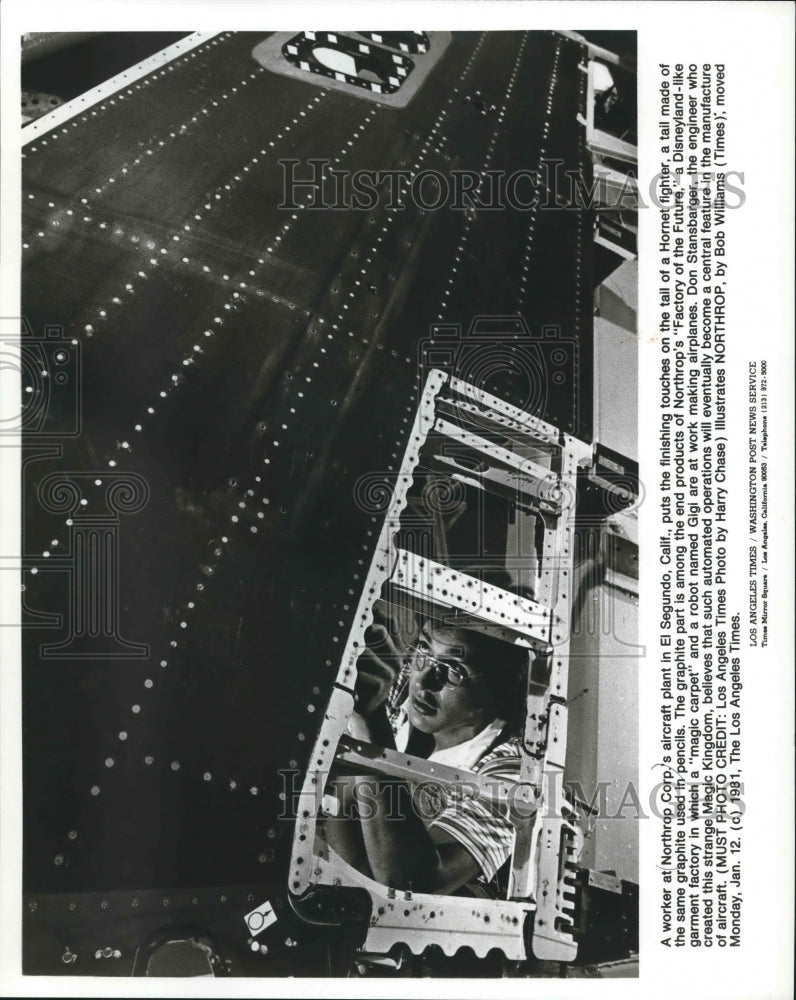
[481,828]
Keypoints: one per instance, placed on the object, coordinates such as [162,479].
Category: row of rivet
[210,569]
[207,776]
[490,152]
[469,217]
[531,233]
[582,219]
[96,112]
[133,282]
[341,319]
[109,762]
[335,328]
[405,421]
[231,305]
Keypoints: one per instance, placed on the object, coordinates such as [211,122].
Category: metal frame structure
[542,463]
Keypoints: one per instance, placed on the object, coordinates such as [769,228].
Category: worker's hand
[361,727]
[377,669]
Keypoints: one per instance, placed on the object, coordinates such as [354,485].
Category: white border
[756,40]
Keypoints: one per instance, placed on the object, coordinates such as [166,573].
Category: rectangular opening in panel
[483,515]
[426,792]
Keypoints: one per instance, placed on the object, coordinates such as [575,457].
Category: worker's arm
[401,852]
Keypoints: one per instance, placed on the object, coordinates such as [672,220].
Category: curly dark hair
[504,666]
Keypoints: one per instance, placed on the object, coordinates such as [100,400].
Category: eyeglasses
[445,674]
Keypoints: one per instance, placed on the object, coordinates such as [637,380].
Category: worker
[456,697]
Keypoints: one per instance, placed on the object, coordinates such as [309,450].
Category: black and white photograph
[330,561]
[328,598]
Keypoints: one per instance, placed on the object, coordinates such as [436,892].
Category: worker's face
[436,706]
